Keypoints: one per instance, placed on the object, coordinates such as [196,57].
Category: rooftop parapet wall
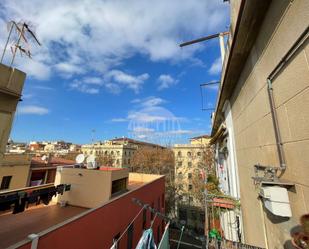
[11,85]
[89,188]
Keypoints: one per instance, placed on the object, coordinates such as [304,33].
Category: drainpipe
[276,125]
[286,58]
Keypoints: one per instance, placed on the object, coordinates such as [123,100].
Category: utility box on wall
[276,200]
[11,85]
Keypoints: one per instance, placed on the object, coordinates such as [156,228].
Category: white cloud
[216,67]
[80,36]
[68,69]
[131,81]
[40,87]
[166,81]
[151,101]
[32,109]
[143,129]
[93,80]
[116,120]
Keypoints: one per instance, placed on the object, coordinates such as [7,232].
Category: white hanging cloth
[147,240]
[164,243]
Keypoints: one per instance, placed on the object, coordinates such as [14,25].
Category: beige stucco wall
[254,134]
[18,167]
[138,177]
[11,84]
[89,188]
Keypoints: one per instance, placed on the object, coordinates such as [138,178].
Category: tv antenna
[23,34]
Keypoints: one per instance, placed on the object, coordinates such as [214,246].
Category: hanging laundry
[164,243]
[147,240]
[60,189]
[20,203]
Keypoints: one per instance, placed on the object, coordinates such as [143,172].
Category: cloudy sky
[115,67]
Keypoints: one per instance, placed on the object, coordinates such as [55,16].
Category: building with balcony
[190,167]
[117,152]
[260,123]
[93,213]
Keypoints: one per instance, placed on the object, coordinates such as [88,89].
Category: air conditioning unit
[276,200]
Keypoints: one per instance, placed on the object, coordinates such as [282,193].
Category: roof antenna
[23,31]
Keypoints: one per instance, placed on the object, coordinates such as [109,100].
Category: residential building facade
[96,212]
[190,168]
[260,127]
[119,150]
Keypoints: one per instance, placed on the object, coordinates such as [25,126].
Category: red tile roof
[109,168]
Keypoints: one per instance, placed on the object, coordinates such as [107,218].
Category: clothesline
[124,232]
[167,219]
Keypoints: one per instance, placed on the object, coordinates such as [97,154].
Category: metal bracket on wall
[267,175]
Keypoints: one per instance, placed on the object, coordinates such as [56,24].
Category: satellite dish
[43,158]
[80,158]
[91,163]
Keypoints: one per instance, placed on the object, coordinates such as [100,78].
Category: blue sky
[115,67]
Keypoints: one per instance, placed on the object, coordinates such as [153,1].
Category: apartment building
[260,126]
[119,150]
[95,211]
[190,167]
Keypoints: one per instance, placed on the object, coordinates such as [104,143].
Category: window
[189,175]
[125,152]
[180,175]
[144,218]
[115,239]
[5,184]
[190,199]
[130,236]
[189,164]
[117,161]
[179,153]
[183,214]
[129,161]
[199,153]
[105,153]
[190,187]
[179,164]
[180,186]
[112,153]
[119,185]
[193,215]
[163,201]
[189,153]
[118,152]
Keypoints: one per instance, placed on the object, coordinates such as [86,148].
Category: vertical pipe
[276,125]
[213,214]
[222,48]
